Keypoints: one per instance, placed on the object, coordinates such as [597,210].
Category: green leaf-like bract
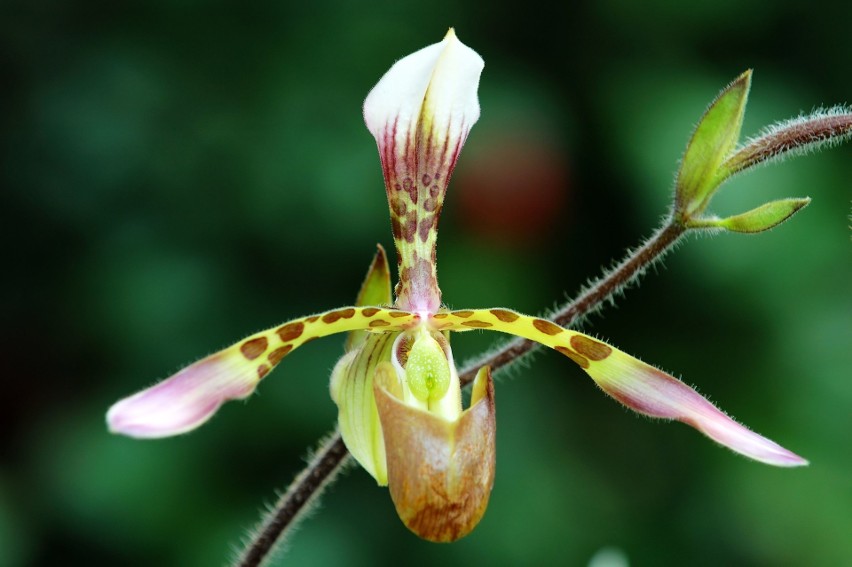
[714,138]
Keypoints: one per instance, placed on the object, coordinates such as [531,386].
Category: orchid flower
[396,387]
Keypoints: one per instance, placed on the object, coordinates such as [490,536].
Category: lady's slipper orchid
[397,388]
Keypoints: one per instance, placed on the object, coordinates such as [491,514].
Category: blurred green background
[176,175]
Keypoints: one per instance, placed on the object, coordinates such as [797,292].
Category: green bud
[714,138]
[762,218]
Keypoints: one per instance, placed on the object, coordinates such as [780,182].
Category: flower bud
[769,215]
[715,136]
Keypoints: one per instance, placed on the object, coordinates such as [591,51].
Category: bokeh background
[176,175]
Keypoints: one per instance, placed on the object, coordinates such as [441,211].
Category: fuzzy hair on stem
[268,538]
[821,129]
[592,298]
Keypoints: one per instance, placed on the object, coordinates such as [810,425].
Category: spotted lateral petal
[189,398]
[635,384]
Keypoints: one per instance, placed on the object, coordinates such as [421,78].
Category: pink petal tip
[649,391]
[183,402]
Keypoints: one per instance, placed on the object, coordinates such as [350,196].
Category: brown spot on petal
[403,349]
[276,355]
[262,371]
[369,311]
[379,323]
[579,359]
[396,228]
[430,204]
[409,227]
[254,348]
[425,228]
[426,179]
[312,319]
[477,324]
[440,315]
[332,317]
[398,313]
[590,348]
[505,316]
[547,327]
[463,314]
[398,206]
[337,315]
[291,331]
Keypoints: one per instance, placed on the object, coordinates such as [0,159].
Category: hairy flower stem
[328,460]
[591,298]
[330,457]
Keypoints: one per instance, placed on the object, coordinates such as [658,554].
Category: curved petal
[191,397]
[186,400]
[352,392]
[651,392]
[637,385]
[433,90]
